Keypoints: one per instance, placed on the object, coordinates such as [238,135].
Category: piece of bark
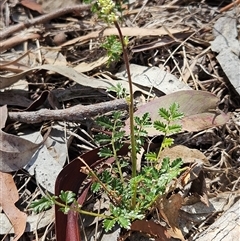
[226,228]
[76,113]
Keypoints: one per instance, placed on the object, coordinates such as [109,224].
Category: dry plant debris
[52,67]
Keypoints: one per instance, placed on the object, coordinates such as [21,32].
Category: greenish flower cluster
[106,10]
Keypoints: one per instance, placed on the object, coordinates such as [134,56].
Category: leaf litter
[212,111]
[15,151]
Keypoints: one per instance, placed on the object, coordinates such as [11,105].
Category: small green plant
[131,197]
[113,47]
[120,91]
[132,194]
[166,128]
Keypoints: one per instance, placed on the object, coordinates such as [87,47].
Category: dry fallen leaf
[15,152]
[153,77]
[51,5]
[34,222]
[70,73]
[188,155]
[169,209]
[151,228]
[32,5]
[12,97]
[227,44]
[43,165]
[197,106]
[134,31]
[193,181]
[85,67]
[8,197]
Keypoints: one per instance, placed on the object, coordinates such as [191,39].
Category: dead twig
[42,19]
[229,6]
[76,113]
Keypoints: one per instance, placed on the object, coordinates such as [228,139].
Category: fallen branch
[42,19]
[76,113]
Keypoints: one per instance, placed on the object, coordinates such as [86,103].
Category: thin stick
[229,6]
[76,113]
[42,19]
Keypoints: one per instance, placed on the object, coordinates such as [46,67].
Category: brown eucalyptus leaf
[169,210]
[151,228]
[16,152]
[187,154]
[203,121]
[8,197]
[197,106]
[32,5]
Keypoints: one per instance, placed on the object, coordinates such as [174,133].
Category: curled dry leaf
[8,197]
[194,182]
[70,178]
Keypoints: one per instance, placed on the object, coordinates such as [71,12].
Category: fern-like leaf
[160,126]
[167,142]
[164,113]
[173,129]
[151,156]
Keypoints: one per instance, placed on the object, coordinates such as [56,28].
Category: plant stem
[164,137]
[117,162]
[94,176]
[79,210]
[131,103]
[131,109]
[115,153]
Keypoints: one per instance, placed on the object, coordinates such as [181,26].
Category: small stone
[60,38]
